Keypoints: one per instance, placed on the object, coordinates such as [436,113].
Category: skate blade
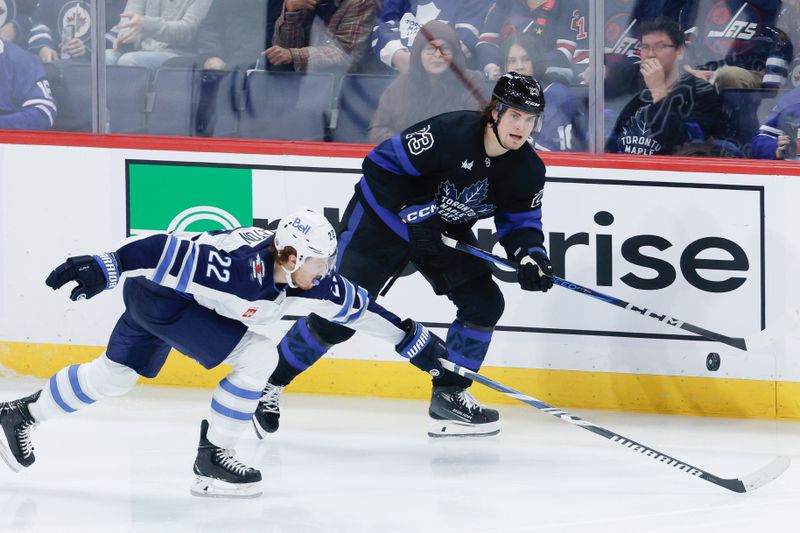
[7,455]
[452,428]
[206,487]
[261,431]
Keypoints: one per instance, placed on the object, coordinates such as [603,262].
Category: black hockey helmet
[520,92]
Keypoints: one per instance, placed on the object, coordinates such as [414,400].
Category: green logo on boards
[188,198]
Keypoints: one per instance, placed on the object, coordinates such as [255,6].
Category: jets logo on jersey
[419,141]
[7,11]
[726,32]
[74,21]
[619,35]
[459,207]
[257,269]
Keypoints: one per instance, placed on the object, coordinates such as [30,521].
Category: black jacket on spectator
[691,111]
[237,35]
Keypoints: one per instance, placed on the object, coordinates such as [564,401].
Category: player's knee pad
[328,332]
[105,378]
[74,387]
[479,302]
[302,346]
[467,344]
[253,359]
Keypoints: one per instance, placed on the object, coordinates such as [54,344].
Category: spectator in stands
[437,82]
[26,102]
[564,125]
[62,29]
[16,20]
[228,39]
[735,44]
[400,20]
[322,35]
[789,21]
[777,137]
[672,109]
[561,25]
[153,31]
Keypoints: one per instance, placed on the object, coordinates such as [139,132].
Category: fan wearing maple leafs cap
[441,176]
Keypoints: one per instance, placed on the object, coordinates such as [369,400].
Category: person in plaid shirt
[330,35]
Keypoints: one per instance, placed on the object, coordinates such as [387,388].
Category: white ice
[367,466]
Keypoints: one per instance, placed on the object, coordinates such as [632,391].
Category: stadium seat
[287,105]
[170,104]
[358,99]
[126,98]
[71,84]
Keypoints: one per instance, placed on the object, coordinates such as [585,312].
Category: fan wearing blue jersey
[26,102]
[440,176]
[199,293]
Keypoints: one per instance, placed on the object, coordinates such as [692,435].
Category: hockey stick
[736,342]
[747,483]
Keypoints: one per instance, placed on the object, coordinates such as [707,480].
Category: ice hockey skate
[17,423]
[220,475]
[455,412]
[268,412]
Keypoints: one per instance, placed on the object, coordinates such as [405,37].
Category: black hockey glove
[93,273]
[535,272]
[422,348]
[425,227]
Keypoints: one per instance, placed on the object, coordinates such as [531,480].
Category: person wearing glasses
[672,108]
[437,82]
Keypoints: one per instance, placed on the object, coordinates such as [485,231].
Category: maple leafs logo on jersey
[459,207]
[637,135]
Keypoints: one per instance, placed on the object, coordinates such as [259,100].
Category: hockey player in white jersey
[198,293]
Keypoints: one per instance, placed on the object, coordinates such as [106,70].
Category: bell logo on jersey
[257,269]
[304,228]
[419,141]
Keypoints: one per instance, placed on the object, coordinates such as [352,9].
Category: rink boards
[707,242]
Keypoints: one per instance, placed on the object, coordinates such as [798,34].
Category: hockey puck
[713,361]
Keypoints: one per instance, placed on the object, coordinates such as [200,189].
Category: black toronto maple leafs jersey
[442,162]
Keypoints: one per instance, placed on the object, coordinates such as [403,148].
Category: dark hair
[666,25]
[282,255]
[531,45]
[486,113]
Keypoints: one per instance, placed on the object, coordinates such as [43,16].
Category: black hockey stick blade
[736,342]
[748,483]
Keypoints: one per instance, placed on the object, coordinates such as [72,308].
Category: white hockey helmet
[311,236]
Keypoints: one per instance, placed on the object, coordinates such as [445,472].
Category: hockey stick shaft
[736,342]
[748,483]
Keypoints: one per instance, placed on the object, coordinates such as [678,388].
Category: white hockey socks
[77,386]
[236,397]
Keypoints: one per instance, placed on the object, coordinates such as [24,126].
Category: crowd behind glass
[712,78]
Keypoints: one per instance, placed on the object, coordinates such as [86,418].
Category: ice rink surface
[367,466]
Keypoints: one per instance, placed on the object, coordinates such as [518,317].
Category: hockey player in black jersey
[440,176]
[198,293]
